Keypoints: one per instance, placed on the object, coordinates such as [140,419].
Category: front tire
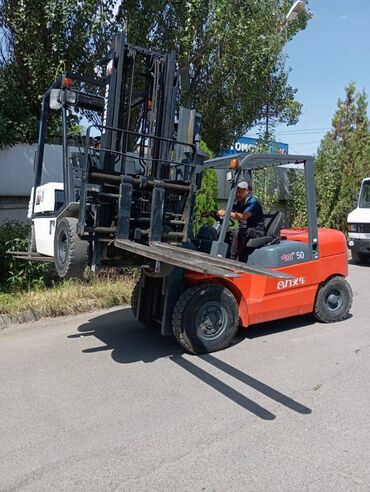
[205,318]
[70,252]
[333,300]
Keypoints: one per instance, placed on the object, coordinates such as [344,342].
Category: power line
[306,143]
[309,131]
[302,132]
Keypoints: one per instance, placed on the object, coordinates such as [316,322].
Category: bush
[297,207]
[206,197]
[18,274]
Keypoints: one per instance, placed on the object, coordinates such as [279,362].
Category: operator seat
[273,223]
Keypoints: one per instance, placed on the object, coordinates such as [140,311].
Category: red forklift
[125,197]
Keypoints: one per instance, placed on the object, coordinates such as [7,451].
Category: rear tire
[205,318]
[359,258]
[135,298]
[70,252]
[333,300]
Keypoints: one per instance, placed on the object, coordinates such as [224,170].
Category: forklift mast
[139,183]
[136,174]
[129,191]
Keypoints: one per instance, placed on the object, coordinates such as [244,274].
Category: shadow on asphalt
[278,326]
[365,264]
[131,342]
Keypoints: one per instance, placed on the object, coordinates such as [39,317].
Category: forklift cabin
[292,272]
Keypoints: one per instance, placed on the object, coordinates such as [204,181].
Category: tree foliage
[343,159]
[297,207]
[206,197]
[265,181]
[226,52]
[41,38]
[18,274]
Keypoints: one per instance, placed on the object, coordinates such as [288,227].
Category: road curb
[26,317]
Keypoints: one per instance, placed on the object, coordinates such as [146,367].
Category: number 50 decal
[300,255]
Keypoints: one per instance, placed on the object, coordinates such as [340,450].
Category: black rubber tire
[359,258]
[191,324]
[135,298]
[333,300]
[70,252]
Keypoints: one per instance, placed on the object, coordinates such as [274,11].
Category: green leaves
[206,198]
[226,51]
[343,160]
[39,36]
[18,274]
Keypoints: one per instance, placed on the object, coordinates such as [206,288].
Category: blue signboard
[246,144]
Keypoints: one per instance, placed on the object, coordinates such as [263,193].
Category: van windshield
[365,195]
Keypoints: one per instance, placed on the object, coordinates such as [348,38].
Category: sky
[333,50]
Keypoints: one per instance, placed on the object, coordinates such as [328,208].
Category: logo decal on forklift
[291,256]
[288,256]
[294,282]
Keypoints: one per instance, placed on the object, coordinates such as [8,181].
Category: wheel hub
[334,299]
[63,246]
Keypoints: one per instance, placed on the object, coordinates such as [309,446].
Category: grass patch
[70,297]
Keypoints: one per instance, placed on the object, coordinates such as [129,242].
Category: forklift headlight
[71,97]
[352,227]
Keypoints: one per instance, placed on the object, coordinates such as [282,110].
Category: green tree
[328,179]
[206,197]
[343,159]
[297,207]
[265,181]
[39,39]
[226,52]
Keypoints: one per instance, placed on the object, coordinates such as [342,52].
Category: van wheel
[333,300]
[205,318]
[70,252]
[359,258]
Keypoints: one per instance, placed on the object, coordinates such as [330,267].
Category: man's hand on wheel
[210,213]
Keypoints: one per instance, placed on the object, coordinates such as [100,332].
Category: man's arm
[235,215]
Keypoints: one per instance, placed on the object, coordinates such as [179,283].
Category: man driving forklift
[247,210]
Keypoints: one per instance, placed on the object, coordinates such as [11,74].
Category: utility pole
[296,9]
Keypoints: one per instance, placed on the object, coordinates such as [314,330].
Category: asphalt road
[97,402]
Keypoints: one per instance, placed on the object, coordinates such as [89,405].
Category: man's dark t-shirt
[252,205]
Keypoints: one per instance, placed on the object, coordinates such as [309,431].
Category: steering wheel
[214,215]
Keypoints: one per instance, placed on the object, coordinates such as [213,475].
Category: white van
[359,226]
